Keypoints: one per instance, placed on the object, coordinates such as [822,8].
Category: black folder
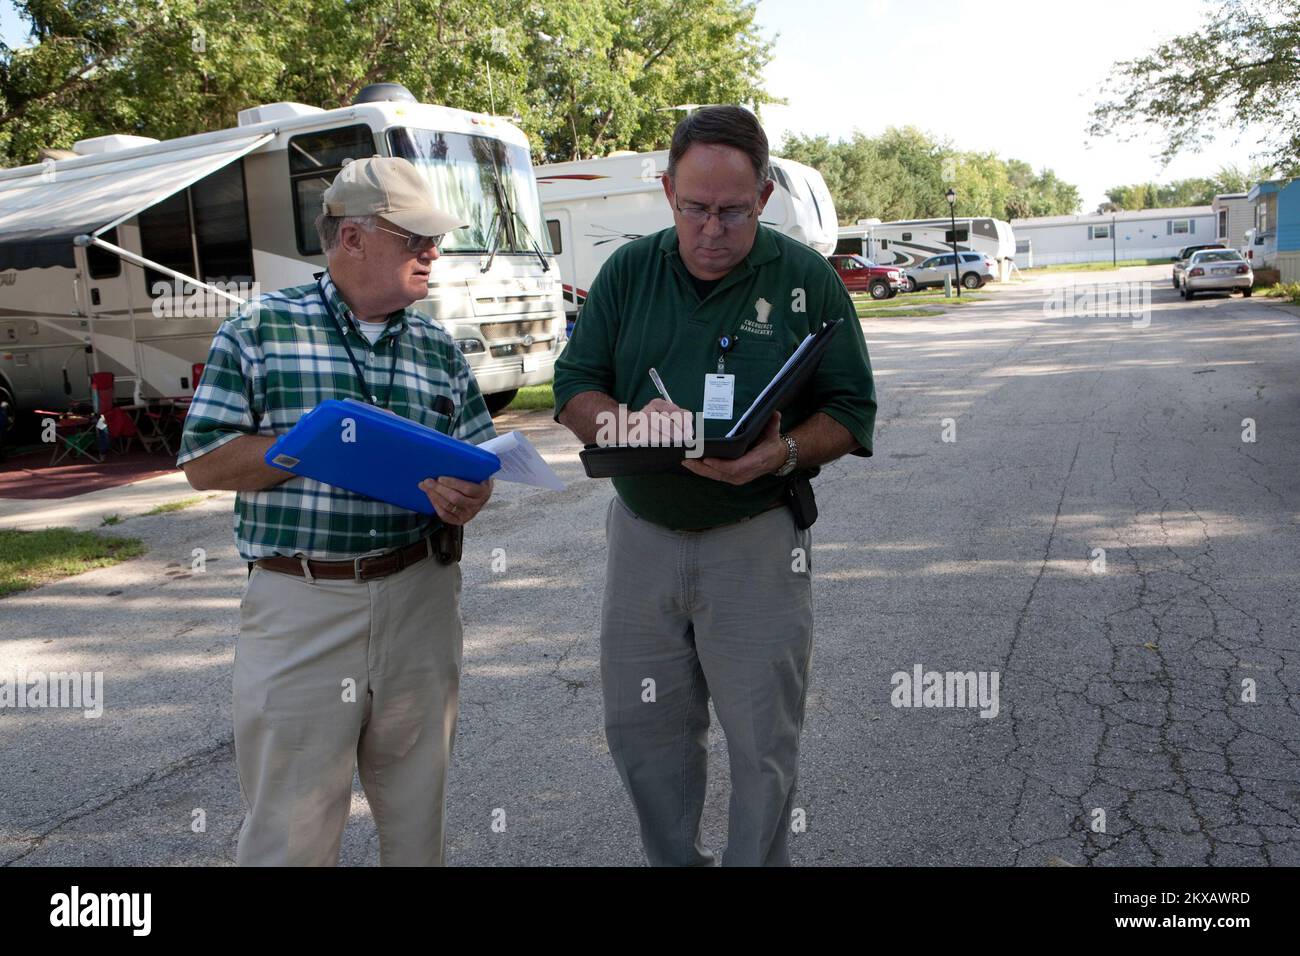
[615,461]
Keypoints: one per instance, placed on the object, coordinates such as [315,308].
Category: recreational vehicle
[125,255]
[593,206]
[906,243]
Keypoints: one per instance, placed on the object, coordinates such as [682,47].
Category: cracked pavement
[1121,693]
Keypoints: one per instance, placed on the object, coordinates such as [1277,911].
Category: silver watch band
[791,458]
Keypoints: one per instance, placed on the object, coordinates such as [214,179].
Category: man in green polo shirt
[707,590]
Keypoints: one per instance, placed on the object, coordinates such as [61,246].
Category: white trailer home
[593,206]
[1128,234]
[126,256]
[906,242]
[1233,215]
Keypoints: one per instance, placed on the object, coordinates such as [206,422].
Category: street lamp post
[952,215]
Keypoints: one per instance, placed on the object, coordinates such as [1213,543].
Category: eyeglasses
[416,243]
[731,216]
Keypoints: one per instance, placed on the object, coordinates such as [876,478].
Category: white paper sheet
[521,463]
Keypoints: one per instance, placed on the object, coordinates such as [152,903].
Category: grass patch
[533,398]
[917,312]
[1283,290]
[110,520]
[925,297]
[170,506]
[29,559]
[1095,266]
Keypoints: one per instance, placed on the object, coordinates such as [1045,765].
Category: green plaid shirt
[282,355]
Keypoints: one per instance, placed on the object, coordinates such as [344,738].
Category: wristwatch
[791,457]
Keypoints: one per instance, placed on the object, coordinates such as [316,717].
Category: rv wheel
[8,412]
[497,401]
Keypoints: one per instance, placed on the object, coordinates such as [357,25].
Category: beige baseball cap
[388,186]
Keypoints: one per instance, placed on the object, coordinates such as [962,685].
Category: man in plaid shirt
[350,638]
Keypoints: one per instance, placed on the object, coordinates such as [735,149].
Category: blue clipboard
[376,453]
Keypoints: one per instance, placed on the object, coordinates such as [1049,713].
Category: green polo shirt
[643,311]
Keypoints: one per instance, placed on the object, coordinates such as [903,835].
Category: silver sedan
[1217,270]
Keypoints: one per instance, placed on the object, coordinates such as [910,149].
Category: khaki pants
[336,675]
[725,614]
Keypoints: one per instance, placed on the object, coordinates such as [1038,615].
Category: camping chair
[154,423]
[120,427]
[75,432]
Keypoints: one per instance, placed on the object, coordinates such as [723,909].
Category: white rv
[906,242]
[593,206]
[126,255]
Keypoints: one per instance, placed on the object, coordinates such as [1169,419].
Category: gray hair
[327,227]
[732,126]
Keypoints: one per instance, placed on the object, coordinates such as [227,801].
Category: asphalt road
[1120,691]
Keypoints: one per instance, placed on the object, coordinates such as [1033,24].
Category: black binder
[615,461]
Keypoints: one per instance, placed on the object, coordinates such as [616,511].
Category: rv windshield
[484,181]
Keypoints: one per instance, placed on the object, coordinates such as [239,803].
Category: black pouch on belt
[801,501]
[447,543]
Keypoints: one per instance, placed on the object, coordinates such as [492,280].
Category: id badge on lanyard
[720,388]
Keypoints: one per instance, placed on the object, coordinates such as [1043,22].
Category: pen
[659,384]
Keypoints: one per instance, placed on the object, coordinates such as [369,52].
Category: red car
[863,275]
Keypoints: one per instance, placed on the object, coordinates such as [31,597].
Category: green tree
[1195,191]
[904,173]
[1241,68]
[583,77]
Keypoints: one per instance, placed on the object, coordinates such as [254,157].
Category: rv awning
[44,207]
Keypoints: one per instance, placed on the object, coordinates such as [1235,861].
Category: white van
[126,255]
[593,206]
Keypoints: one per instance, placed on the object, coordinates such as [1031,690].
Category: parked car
[1217,270]
[976,269]
[1180,260]
[863,275]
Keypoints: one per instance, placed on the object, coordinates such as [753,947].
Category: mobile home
[593,206]
[1232,217]
[904,243]
[1126,234]
[1273,241]
[126,255]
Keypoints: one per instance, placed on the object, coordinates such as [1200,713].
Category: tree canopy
[583,77]
[904,174]
[1240,69]
[1196,191]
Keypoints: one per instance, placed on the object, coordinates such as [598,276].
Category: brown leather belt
[358,569]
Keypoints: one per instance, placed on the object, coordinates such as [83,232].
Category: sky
[1016,77]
